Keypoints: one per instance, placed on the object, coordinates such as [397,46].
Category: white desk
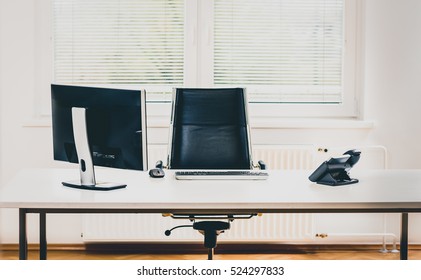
[40,191]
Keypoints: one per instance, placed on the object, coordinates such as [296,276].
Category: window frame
[198,64]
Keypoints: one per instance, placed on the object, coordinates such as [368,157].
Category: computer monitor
[99,126]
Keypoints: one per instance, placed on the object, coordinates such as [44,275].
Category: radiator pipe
[384,235]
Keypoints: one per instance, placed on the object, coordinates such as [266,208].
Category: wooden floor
[299,252]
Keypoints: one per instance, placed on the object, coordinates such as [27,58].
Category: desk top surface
[283,191]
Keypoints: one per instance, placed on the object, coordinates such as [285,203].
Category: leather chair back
[210,129]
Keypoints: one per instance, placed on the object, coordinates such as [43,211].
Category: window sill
[255,123]
[313,123]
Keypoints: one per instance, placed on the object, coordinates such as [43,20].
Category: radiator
[267,228]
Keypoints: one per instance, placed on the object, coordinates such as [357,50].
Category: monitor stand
[86,165]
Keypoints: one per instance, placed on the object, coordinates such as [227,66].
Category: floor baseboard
[196,248]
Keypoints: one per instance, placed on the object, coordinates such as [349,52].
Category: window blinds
[119,42]
[281,50]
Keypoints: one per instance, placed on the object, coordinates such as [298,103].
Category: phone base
[338,182]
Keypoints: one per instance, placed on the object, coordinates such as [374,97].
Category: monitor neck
[80,133]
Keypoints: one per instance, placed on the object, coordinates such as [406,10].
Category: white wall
[392,92]
[392,78]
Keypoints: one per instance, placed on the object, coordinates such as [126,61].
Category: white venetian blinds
[281,50]
[119,42]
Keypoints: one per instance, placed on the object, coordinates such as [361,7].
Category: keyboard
[222,175]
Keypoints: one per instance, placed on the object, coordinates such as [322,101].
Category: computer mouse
[156,173]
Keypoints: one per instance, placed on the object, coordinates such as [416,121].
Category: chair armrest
[261,164]
[159,164]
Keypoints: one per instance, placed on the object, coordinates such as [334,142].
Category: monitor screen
[115,125]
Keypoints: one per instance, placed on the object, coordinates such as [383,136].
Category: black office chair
[209,130]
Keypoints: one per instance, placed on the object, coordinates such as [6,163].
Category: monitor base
[98,187]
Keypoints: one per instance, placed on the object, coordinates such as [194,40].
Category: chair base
[210,230]
[210,253]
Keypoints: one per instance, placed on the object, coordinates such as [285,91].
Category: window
[295,57]
[287,51]
[123,42]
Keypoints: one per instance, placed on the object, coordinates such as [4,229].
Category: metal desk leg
[404,237]
[23,241]
[42,236]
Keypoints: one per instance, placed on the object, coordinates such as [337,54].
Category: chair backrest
[209,129]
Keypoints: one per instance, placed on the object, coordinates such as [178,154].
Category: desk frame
[23,243]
